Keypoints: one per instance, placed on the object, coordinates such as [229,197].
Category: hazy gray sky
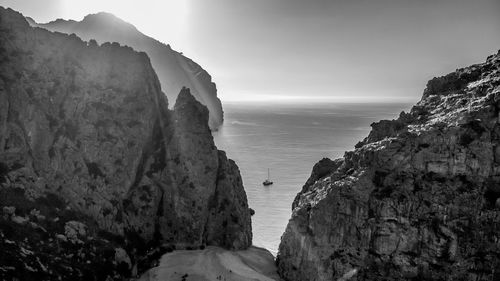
[294,49]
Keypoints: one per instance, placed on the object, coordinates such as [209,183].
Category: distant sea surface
[289,139]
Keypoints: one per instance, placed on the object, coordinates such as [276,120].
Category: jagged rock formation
[418,199]
[174,69]
[95,170]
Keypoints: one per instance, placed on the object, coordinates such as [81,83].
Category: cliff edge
[418,199]
[174,70]
[98,178]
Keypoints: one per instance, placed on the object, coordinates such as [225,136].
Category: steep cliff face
[89,151]
[174,69]
[418,199]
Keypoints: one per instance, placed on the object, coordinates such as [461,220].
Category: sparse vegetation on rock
[416,200]
[95,168]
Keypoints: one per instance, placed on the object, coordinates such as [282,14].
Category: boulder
[121,256]
[9,210]
[74,230]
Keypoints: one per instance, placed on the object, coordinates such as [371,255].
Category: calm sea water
[289,139]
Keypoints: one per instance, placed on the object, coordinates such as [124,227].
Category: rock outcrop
[173,68]
[97,175]
[418,199]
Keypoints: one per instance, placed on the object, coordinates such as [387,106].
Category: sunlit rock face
[174,69]
[92,159]
[416,200]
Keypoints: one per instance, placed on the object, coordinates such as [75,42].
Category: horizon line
[317,99]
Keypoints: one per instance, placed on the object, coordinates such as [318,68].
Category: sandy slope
[214,263]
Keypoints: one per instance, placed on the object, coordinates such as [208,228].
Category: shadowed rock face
[174,70]
[417,199]
[86,137]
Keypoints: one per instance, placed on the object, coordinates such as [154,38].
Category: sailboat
[267,181]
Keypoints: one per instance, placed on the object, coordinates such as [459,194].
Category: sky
[315,50]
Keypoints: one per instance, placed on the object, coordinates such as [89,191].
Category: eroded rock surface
[416,200]
[87,143]
[173,68]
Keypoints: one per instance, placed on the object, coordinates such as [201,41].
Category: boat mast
[268,174]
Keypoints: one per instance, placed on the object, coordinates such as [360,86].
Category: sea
[288,139]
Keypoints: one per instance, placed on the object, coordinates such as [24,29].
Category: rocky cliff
[174,69]
[97,176]
[418,199]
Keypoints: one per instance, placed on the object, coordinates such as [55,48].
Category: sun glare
[168,26]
